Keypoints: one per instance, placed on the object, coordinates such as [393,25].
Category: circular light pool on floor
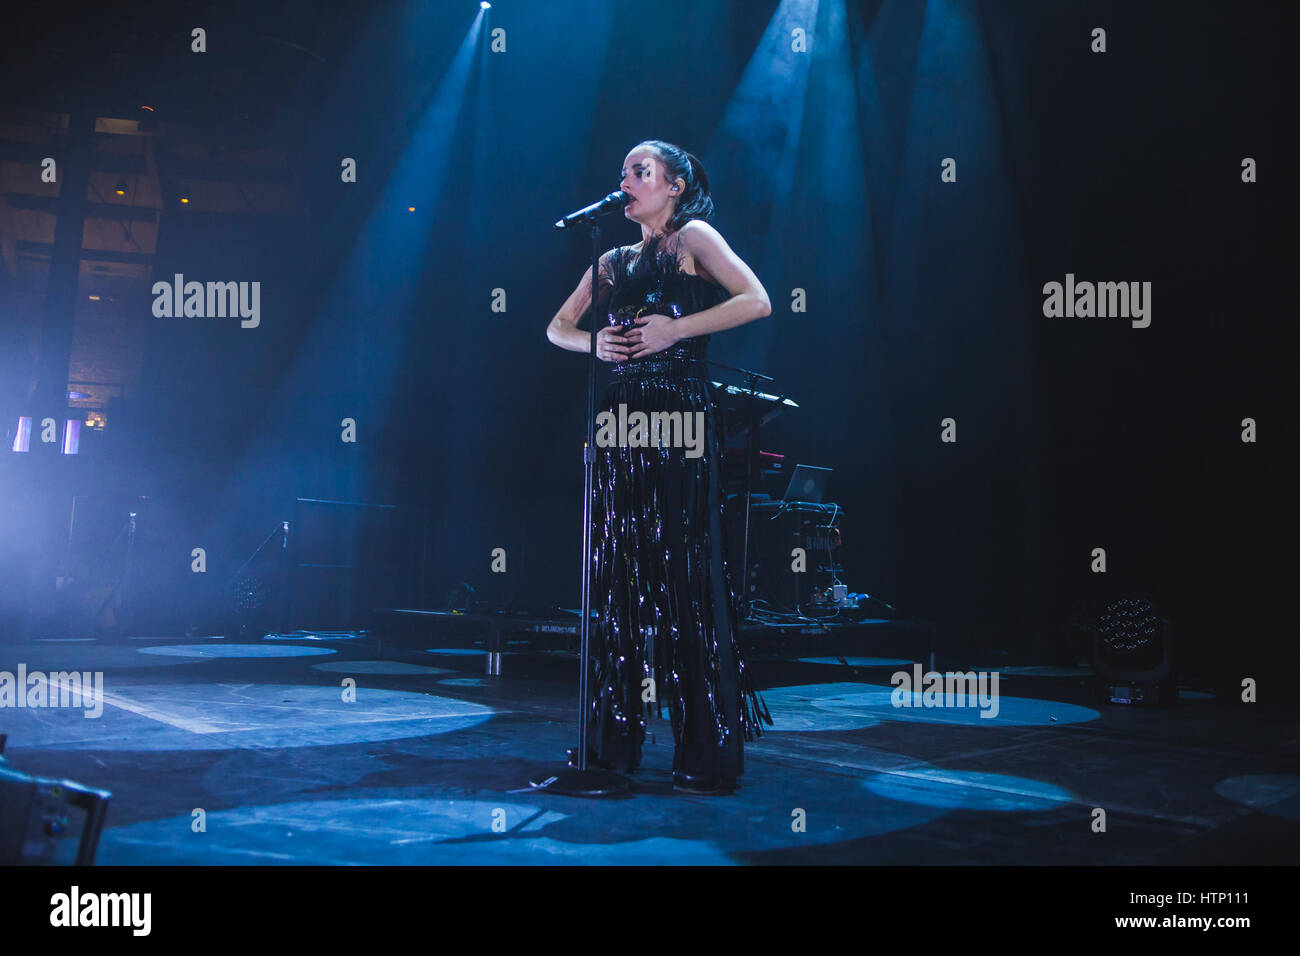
[214,651]
[377,667]
[1275,793]
[846,705]
[967,790]
[156,717]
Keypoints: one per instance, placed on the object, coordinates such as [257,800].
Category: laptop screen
[808,483]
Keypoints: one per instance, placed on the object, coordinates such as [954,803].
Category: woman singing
[667,628]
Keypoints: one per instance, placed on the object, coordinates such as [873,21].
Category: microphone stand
[584,781]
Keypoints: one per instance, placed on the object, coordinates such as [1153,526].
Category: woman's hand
[612,345]
[653,333]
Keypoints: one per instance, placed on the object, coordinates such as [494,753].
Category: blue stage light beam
[380,281]
[953,114]
[758,143]
[355,345]
[758,138]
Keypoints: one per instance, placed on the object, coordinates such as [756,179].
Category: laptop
[808,483]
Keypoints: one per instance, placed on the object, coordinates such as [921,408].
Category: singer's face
[646,180]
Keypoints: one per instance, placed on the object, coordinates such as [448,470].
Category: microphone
[615,200]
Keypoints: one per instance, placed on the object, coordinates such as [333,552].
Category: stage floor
[225,753]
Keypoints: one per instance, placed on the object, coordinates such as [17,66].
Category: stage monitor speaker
[35,813]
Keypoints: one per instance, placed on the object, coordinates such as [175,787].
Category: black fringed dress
[667,611]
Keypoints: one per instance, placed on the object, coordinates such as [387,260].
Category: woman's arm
[564,332]
[748,300]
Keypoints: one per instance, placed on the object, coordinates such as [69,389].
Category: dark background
[924,298]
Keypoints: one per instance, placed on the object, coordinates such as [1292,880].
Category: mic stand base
[583,783]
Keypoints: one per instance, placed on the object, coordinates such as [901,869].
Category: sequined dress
[661,585]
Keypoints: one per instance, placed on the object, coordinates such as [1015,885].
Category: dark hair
[694,202]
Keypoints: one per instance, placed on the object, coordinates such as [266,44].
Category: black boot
[703,784]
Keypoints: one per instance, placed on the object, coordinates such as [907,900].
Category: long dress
[667,629]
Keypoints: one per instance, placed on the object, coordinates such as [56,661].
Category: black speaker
[35,812]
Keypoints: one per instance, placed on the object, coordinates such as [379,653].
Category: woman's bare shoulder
[698,231]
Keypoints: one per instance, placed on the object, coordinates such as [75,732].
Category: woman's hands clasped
[612,345]
[653,333]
